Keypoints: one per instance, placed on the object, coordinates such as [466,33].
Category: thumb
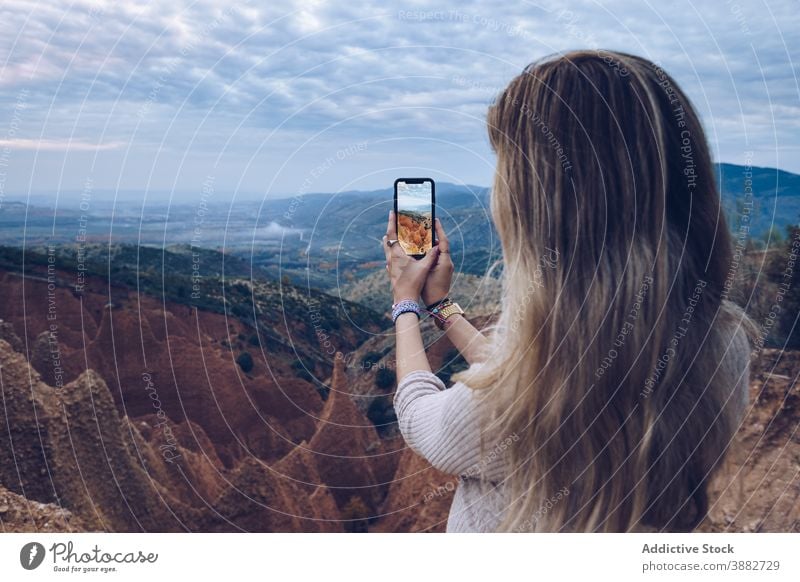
[429,260]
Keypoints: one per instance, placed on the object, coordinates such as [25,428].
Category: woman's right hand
[437,285]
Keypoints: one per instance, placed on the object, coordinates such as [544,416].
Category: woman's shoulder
[738,332]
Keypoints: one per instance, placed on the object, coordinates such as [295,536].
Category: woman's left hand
[407,274]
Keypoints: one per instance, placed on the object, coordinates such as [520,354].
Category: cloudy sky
[275,98]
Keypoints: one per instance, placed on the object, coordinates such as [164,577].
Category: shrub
[385,378]
[381,413]
[245,361]
[302,371]
[453,362]
[242,310]
[358,514]
[370,360]
[324,391]
[781,273]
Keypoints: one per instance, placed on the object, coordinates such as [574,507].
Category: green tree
[781,273]
[772,237]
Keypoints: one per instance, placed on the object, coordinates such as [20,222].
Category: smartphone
[414,204]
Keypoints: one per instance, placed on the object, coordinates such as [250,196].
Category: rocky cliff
[133,414]
[137,415]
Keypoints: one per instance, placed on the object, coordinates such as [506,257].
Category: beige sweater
[442,425]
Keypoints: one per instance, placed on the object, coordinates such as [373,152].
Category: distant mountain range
[345,228]
[326,240]
[775,197]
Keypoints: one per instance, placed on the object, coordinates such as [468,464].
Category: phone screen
[413,205]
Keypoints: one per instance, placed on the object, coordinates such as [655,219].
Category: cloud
[265,91]
[53,145]
[275,230]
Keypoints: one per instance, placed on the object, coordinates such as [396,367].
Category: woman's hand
[406,273]
[437,286]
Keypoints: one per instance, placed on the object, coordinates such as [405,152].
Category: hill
[342,230]
[143,414]
[128,410]
[772,197]
[324,240]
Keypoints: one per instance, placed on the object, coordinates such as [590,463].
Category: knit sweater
[443,426]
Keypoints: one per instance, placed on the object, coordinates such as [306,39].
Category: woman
[606,395]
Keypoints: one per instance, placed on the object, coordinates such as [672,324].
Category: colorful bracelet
[437,303]
[442,310]
[404,306]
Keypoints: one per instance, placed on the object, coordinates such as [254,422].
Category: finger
[448,263]
[391,228]
[441,237]
[429,260]
[387,250]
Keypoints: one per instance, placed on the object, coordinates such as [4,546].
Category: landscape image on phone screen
[414,220]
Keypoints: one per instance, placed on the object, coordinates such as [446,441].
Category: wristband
[437,303]
[443,310]
[404,306]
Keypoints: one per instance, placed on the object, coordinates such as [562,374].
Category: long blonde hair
[615,256]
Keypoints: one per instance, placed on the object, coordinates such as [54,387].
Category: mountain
[200,279]
[769,197]
[328,240]
[129,406]
[340,245]
[342,233]
[129,410]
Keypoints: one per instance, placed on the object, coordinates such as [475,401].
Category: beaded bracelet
[404,306]
[436,312]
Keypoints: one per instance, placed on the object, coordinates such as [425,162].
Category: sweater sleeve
[444,426]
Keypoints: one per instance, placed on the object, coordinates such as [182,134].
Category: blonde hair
[615,255]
